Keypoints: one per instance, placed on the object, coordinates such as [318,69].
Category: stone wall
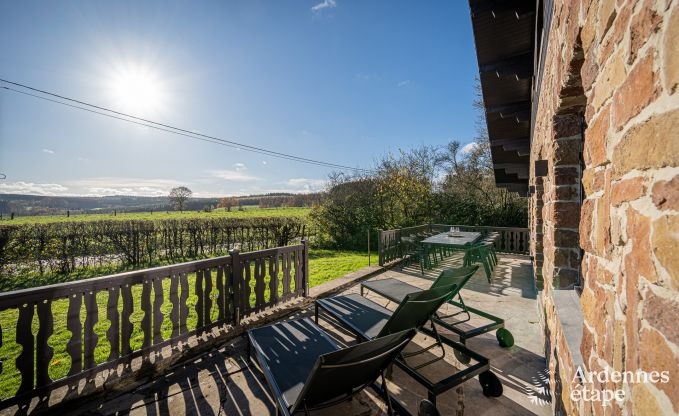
[612,70]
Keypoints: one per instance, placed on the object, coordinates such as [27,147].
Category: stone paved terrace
[222,382]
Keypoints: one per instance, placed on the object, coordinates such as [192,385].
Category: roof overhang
[504,33]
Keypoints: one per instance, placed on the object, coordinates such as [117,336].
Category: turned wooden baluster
[126,324]
[174,299]
[260,286]
[245,288]
[183,299]
[158,316]
[286,264]
[146,321]
[229,292]
[74,345]
[199,303]
[91,338]
[273,282]
[24,337]
[112,314]
[221,296]
[298,271]
[207,277]
[44,352]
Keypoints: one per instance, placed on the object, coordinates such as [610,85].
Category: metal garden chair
[481,253]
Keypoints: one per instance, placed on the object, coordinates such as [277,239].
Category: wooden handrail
[221,286]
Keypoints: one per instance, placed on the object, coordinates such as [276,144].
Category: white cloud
[469,147]
[239,167]
[30,188]
[368,76]
[103,186]
[231,175]
[403,83]
[325,4]
[263,162]
[128,191]
[48,151]
[306,184]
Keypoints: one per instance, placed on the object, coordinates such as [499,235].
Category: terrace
[202,367]
[578,98]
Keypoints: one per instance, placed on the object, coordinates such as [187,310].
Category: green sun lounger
[307,370]
[368,320]
[396,290]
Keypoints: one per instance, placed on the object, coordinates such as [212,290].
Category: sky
[339,81]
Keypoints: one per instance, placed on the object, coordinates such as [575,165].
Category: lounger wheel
[427,408]
[490,384]
[462,357]
[504,337]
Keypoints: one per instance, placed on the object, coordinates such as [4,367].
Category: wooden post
[368,246]
[380,255]
[237,276]
[305,267]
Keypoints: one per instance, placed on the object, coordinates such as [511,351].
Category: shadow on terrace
[198,363]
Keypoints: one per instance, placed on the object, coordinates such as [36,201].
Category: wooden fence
[511,239]
[224,289]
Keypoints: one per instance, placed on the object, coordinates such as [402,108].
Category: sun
[138,90]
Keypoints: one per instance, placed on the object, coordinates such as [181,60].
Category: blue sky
[339,81]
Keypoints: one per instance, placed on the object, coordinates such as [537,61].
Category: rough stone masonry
[608,208]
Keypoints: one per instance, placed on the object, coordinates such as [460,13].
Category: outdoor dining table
[458,239]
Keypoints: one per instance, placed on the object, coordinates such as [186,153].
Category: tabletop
[459,238]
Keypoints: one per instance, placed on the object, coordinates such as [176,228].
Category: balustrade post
[380,248]
[237,277]
[305,267]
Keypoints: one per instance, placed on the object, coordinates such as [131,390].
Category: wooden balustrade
[390,242]
[226,289]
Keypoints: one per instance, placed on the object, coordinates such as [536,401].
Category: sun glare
[138,90]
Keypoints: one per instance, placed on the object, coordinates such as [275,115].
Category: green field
[247,212]
[324,265]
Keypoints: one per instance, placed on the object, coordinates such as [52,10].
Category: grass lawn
[324,265]
[248,212]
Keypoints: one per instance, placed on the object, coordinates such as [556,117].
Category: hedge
[64,247]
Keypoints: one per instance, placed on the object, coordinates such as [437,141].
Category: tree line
[451,184]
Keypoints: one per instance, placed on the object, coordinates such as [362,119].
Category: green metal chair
[492,238]
[481,253]
[409,250]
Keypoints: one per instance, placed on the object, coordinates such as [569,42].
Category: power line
[169,128]
[152,126]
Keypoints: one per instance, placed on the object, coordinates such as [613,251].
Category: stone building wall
[612,71]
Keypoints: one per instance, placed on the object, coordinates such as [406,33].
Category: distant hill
[52,205]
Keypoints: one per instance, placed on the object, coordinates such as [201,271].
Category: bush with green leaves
[64,247]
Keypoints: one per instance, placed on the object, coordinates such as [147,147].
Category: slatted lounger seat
[396,290]
[368,320]
[306,370]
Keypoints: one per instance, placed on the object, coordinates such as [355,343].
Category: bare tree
[228,202]
[178,197]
